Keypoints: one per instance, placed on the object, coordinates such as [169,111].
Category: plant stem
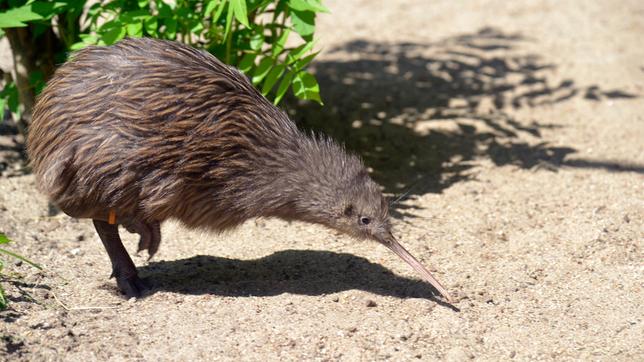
[229,41]
[20,257]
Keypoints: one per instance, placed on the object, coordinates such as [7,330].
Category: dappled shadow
[9,316]
[305,272]
[420,114]
[423,114]
[7,125]
[12,150]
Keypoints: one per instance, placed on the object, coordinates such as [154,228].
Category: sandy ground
[519,127]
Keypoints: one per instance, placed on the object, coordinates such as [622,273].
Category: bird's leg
[123,268]
[150,233]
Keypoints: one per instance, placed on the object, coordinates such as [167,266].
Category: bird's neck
[303,178]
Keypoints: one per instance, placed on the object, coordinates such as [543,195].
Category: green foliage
[23,12]
[9,99]
[249,34]
[5,240]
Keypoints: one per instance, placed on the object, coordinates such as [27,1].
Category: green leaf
[317,5]
[229,20]
[4,239]
[170,28]
[307,5]
[305,86]
[3,300]
[239,9]
[272,78]
[210,7]
[247,62]
[113,32]
[37,81]
[20,257]
[165,11]
[133,16]
[283,87]
[300,64]
[259,4]
[297,53]
[303,23]
[48,9]
[86,39]
[196,28]
[94,10]
[220,10]
[151,25]
[11,99]
[18,17]
[143,3]
[262,70]
[256,41]
[135,29]
[278,46]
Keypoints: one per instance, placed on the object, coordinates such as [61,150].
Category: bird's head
[338,192]
[363,213]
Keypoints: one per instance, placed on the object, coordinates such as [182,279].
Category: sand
[517,129]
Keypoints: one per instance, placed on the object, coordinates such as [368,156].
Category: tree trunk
[30,55]
[23,51]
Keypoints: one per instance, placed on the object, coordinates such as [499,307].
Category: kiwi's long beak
[391,242]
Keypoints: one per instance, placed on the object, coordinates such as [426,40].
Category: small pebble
[502,235]
[371,303]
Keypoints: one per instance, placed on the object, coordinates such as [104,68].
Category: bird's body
[147,130]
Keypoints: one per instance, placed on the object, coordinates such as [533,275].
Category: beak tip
[390,242]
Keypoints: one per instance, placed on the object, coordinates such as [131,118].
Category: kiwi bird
[147,130]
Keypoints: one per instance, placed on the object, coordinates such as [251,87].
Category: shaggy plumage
[153,129]
[157,130]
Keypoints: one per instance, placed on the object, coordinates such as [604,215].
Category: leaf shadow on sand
[422,114]
[305,272]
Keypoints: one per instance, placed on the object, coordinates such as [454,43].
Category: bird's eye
[364,220]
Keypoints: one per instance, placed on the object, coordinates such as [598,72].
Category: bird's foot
[150,233]
[123,268]
[132,287]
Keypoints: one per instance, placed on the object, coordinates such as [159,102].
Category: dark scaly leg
[123,268]
[150,235]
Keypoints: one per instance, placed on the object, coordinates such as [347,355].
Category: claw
[150,235]
[144,241]
[155,239]
[132,287]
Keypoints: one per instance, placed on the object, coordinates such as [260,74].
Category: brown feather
[155,130]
